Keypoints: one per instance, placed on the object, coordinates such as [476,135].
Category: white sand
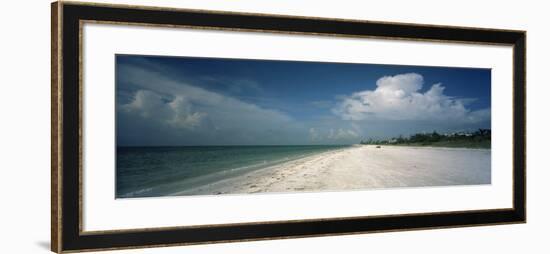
[363,167]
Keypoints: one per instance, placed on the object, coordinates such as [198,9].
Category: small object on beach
[378,147]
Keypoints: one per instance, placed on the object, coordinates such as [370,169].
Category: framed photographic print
[175,126]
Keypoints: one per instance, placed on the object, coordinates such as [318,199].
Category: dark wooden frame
[67,234]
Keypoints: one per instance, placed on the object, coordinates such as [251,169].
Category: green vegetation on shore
[477,139]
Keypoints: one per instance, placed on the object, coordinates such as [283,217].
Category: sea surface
[161,171]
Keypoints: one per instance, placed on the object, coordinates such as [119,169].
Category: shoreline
[361,167]
[258,173]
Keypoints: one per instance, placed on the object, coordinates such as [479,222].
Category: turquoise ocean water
[160,171]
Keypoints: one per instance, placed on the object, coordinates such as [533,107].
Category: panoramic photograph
[216,126]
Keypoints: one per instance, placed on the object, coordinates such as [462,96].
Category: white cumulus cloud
[399,97]
[162,108]
[177,113]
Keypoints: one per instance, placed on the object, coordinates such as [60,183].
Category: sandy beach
[362,167]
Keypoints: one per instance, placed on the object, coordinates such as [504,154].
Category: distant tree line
[479,136]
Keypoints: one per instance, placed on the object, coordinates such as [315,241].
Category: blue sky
[213,101]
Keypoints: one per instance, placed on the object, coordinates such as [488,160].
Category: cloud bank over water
[182,113]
